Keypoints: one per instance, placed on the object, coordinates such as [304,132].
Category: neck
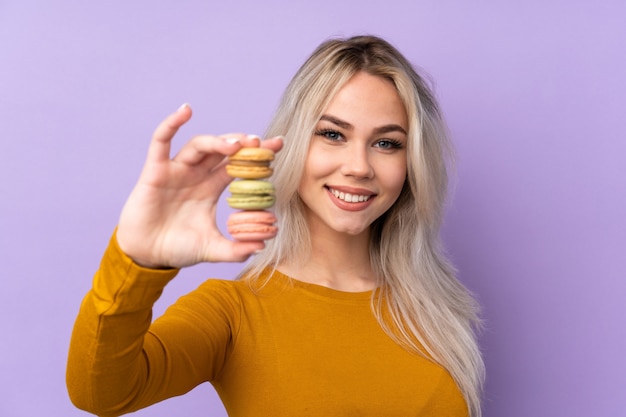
[337,260]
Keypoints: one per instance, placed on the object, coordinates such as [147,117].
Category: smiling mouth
[349,198]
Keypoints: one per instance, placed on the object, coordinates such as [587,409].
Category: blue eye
[388,144]
[329,134]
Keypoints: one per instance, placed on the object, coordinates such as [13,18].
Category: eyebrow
[345,125]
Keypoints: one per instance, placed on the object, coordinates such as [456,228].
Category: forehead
[368,99]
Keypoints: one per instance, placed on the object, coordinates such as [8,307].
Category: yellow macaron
[250,163]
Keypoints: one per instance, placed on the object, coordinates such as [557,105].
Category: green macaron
[251,195]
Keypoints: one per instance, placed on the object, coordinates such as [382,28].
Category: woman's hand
[169,218]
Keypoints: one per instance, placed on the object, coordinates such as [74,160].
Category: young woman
[350,310]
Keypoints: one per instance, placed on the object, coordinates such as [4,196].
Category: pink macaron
[252,225]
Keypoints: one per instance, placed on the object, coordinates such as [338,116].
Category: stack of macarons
[251,194]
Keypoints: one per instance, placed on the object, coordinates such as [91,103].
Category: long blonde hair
[425,307]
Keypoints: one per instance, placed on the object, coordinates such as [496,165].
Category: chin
[351,230]
[346,224]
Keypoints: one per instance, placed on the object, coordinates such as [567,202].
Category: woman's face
[356,164]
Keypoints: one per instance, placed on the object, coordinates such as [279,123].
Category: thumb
[159,149]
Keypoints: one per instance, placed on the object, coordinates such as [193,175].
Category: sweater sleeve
[119,362]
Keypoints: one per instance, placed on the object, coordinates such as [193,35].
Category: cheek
[318,164]
[393,175]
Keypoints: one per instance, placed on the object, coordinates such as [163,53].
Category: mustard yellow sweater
[290,349]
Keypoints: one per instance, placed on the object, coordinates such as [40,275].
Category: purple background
[535,96]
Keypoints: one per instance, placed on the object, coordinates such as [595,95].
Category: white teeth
[350,198]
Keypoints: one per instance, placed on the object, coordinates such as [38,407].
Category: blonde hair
[425,308]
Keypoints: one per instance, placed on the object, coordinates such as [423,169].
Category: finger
[275,144]
[247,141]
[207,149]
[254,141]
[245,249]
[211,150]
[162,137]
[233,251]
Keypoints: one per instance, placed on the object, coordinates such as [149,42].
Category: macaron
[252,225]
[250,163]
[251,194]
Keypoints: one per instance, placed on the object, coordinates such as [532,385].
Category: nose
[357,163]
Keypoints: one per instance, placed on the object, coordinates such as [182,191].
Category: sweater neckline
[320,290]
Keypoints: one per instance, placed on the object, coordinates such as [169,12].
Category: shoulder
[237,291]
[220,290]
[232,297]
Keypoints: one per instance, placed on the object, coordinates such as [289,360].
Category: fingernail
[254,137]
[281,137]
[232,140]
[183,106]
[256,252]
